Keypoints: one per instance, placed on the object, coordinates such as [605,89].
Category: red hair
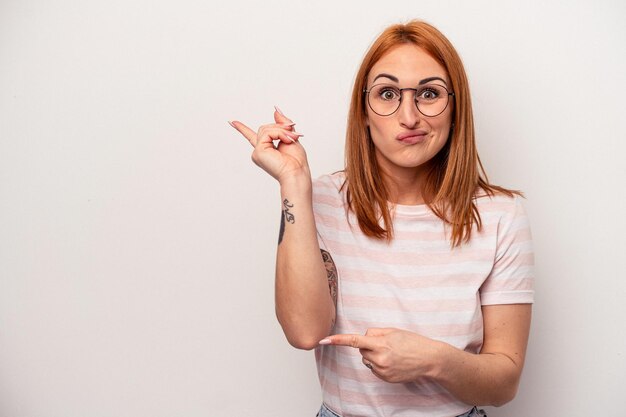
[456,173]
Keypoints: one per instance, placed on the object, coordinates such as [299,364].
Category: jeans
[474,412]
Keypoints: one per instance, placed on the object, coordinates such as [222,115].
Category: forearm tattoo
[331,274]
[285,216]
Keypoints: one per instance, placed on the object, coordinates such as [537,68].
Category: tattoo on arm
[331,273]
[285,215]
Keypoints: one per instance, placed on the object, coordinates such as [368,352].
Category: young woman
[408,272]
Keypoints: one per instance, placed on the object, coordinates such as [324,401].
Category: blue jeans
[474,412]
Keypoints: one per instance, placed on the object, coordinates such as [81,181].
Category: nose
[408,115]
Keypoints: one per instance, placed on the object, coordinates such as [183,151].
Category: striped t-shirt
[417,283]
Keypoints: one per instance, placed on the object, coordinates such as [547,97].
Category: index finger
[351,340]
[245,131]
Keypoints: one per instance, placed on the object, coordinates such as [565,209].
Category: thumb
[279,117]
[378,332]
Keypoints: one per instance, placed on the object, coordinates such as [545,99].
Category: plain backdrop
[137,239]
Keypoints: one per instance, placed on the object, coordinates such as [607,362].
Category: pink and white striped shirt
[417,283]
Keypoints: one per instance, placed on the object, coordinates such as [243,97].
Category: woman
[429,265]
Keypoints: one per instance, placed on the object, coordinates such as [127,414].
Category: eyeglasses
[431,99]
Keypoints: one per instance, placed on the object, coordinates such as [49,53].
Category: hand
[393,355]
[287,158]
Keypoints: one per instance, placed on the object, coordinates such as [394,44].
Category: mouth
[412,137]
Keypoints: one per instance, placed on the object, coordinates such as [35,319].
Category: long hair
[455,174]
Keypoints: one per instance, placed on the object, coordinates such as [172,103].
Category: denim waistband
[474,412]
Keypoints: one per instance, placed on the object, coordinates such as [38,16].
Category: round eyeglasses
[431,99]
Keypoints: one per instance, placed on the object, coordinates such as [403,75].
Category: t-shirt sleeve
[511,280]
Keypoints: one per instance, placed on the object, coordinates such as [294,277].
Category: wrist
[296,183]
[441,359]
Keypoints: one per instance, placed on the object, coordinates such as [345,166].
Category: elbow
[304,337]
[506,383]
[505,394]
[499,402]
[304,334]
[303,343]
[504,399]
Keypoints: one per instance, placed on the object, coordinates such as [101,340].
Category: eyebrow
[391,77]
[395,79]
[427,80]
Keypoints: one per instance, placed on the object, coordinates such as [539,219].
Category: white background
[137,240]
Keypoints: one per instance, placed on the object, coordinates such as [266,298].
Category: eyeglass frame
[401,90]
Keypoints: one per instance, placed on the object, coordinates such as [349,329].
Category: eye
[388,93]
[430,93]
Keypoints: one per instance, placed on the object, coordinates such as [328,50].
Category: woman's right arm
[305,306]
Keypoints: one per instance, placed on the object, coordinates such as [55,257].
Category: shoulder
[329,183]
[329,193]
[499,202]
[503,215]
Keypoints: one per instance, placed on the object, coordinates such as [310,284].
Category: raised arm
[304,304]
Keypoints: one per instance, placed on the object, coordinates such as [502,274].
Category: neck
[405,186]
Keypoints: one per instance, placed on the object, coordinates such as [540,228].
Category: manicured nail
[287,124]
[278,110]
[292,135]
[325,341]
[232,124]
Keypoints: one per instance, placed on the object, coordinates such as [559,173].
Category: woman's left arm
[488,378]
[491,377]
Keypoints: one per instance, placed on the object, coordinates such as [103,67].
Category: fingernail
[287,124]
[278,110]
[231,124]
[326,341]
[295,135]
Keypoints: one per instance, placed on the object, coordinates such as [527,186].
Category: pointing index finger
[351,340]
[245,131]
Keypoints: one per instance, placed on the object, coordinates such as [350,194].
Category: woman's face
[406,140]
